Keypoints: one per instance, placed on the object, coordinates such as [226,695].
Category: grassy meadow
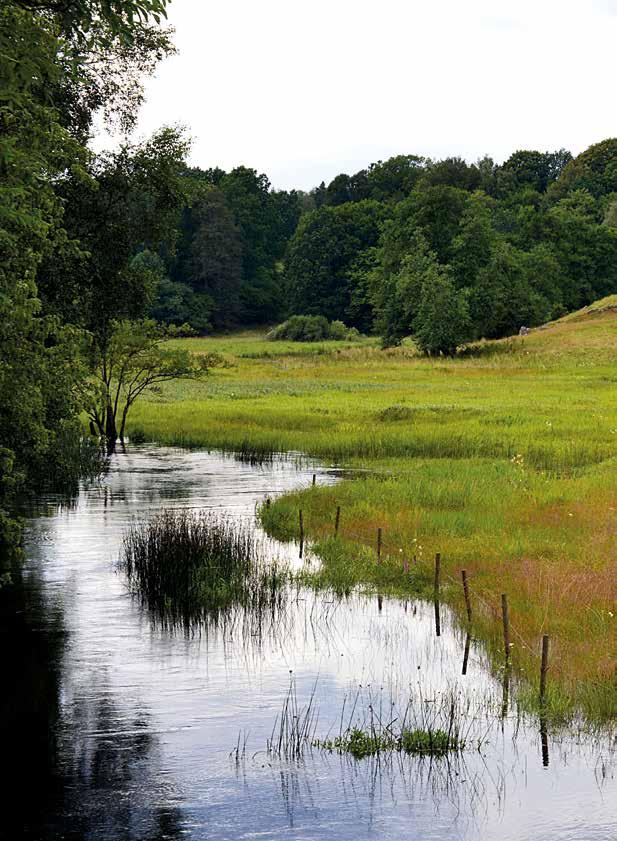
[503,460]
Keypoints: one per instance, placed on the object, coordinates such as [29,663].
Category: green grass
[503,460]
[362,743]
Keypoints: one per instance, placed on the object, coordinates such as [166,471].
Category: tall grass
[190,568]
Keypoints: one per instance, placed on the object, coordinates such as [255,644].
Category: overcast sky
[305,90]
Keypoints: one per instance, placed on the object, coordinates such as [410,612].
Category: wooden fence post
[505,616]
[301,533]
[314,479]
[379,545]
[544,667]
[337,520]
[466,592]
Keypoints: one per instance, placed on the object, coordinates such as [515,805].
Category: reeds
[368,729]
[188,567]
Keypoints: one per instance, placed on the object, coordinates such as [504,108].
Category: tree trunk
[111,433]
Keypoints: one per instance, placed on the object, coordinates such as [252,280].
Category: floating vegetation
[361,743]
[433,729]
[193,567]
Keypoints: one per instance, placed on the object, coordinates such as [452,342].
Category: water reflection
[73,772]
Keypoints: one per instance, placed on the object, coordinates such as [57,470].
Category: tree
[452,172]
[394,179]
[47,54]
[585,248]
[472,246]
[530,168]
[594,170]
[130,200]
[503,297]
[135,359]
[397,296]
[215,267]
[442,323]
[321,254]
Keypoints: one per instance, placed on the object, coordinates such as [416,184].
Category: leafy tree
[48,59]
[321,254]
[594,170]
[503,298]
[442,322]
[472,246]
[434,212]
[585,249]
[394,179]
[530,168]
[135,359]
[452,172]
[131,199]
[215,267]
[339,190]
[397,296]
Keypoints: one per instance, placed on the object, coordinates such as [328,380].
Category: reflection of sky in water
[124,681]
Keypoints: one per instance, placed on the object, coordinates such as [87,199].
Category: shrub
[312,328]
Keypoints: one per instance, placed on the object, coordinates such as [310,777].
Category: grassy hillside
[502,460]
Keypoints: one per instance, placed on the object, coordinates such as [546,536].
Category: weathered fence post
[466,652]
[544,667]
[301,533]
[466,592]
[379,545]
[437,618]
[337,520]
[314,479]
[437,573]
[505,616]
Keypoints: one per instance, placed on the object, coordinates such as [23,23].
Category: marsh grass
[369,728]
[505,461]
[189,568]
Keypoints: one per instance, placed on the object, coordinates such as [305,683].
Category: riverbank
[504,462]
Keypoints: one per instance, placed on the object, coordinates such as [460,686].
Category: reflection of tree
[85,772]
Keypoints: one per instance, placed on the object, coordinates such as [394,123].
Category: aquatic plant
[188,566]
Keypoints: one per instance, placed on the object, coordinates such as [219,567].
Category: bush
[312,328]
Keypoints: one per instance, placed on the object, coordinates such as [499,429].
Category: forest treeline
[403,247]
[103,256]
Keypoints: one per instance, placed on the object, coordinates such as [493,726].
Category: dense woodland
[97,251]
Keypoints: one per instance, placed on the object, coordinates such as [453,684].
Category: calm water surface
[116,729]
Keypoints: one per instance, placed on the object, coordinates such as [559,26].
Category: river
[116,728]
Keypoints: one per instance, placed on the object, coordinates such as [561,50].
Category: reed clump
[188,566]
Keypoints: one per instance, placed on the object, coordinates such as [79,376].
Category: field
[502,460]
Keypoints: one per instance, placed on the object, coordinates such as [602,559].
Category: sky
[305,90]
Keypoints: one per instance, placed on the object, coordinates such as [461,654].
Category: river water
[116,728]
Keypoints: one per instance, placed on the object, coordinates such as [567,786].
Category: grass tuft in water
[187,566]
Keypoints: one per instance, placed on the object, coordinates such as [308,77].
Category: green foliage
[442,322]
[311,328]
[371,742]
[533,169]
[320,263]
[233,234]
[135,358]
[594,170]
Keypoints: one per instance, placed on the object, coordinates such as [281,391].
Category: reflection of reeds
[189,567]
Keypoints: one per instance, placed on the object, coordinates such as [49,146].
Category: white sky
[304,90]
